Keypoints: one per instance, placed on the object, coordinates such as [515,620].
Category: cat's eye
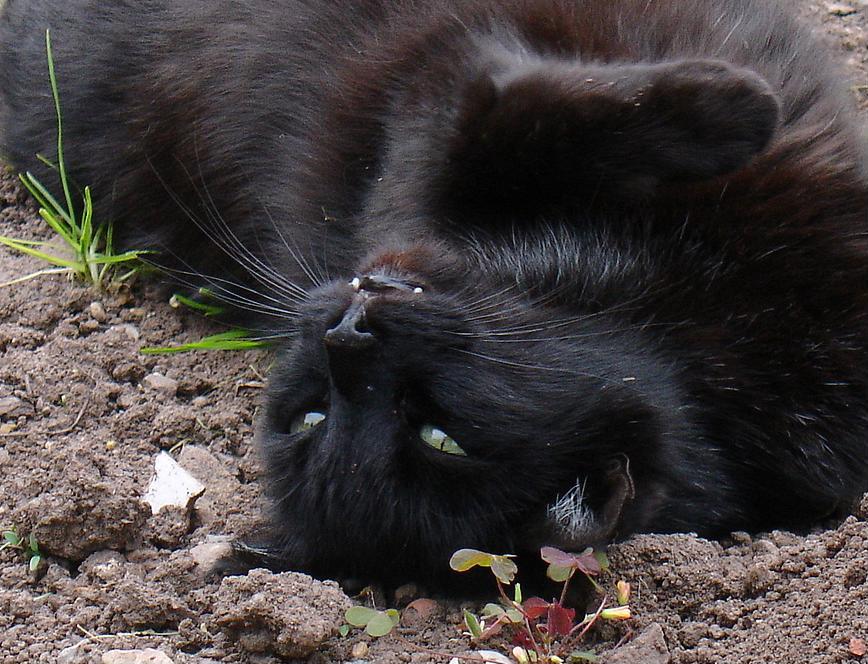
[306,421]
[440,440]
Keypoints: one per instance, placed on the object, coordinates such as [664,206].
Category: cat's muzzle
[352,331]
[351,344]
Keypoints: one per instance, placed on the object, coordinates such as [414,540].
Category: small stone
[207,554]
[161,383]
[136,313]
[8,427]
[360,650]
[649,648]
[88,326]
[14,407]
[131,331]
[840,9]
[71,655]
[420,611]
[171,485]
[97,312]
[146,656]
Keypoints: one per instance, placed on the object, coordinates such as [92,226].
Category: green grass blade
[202,307]
[30,243]
[46,200]
[231,340]
[34,275]
[58,227]
[41,255]
[61,165]
[47,162]
[102,259]
[86,238]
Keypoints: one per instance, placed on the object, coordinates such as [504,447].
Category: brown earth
[83,415]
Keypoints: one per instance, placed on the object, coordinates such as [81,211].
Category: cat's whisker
[296,254]
[532,367]
[226,295]
[292,291]
[232,244]
[223,289]
[575,337]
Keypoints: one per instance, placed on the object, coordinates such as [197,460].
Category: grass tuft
[90,255]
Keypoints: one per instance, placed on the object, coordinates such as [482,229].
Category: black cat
[543,271]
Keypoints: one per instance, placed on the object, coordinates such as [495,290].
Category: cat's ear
[551,132]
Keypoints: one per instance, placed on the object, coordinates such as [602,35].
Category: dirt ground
[83,415]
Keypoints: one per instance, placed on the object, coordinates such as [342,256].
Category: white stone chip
[171,485]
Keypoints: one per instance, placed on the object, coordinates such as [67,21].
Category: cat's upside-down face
[423,407]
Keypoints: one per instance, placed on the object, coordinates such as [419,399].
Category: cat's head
[418,411]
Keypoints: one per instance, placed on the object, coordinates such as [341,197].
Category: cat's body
[617,250]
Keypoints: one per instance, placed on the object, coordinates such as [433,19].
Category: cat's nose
[352,331]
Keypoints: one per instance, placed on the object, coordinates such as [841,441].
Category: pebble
[840,9]
[649,648]
[97,312]
[13,407]
[360,650]
[207,554]
[161,383]
[71,655]
[136,313]
[131,331]
[146,656]
[88,326]
[420,611]
[171,485]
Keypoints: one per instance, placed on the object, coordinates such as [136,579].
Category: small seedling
[545,632]
[29,546]
[90,252]
[375,623]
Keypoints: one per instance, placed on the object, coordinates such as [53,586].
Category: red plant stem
[520,608]
[591,622]
[564,590]
[502,592]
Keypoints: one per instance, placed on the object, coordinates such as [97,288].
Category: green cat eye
[438,439]
[306,421]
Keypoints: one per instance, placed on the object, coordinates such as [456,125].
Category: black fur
[638,227]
